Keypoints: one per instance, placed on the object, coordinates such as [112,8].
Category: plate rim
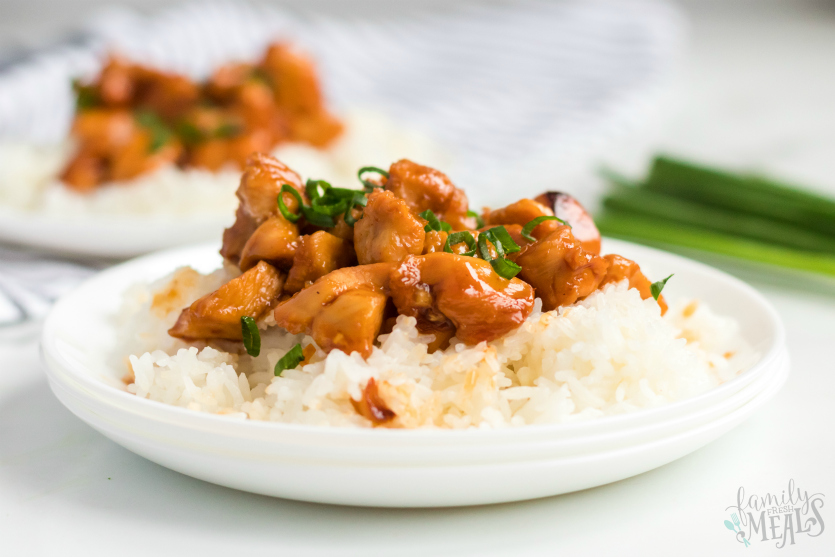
[52,357]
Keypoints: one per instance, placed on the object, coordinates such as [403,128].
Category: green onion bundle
[749,217]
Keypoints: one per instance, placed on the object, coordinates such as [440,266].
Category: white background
[757,89]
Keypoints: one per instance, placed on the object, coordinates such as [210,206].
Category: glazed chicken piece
[560,270]
[169,95]
[141,155]
[225,82]
[569,209]
[521,213]
[422,188]
[342,229]
[445,289]
[226,136]
[100,133]
[218,315]
[317,255]
[371,406]
[236,236]
[275,242]
[387,231]
[296,90]
[116,84]
[299,91]
[84,172]
[258,194]
[115,146]
[261,183]
[351,323]
[435,241]
[621,268]
[253,104]
[342,310]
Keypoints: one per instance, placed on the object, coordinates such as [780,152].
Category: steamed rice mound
[609,354]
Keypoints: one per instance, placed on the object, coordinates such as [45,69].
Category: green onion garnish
[252,338]
[160,133]
[434,223]
[316,218]
[358,199]
[85,96]
[326,202]
[505,268]
[225,131]
[503,244]
[657,287]
[285,212]
[316,188]
[290,360]
[458,237]
[366,183]
[526,231]
[478,220]
[483,248]
[258,74]
[190,134]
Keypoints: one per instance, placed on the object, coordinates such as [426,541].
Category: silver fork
[735,518]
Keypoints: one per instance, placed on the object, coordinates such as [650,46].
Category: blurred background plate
[520,96]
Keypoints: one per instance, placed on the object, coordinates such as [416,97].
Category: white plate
[402,468]
[116,237]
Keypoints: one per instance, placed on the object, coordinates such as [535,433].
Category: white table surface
[756,89]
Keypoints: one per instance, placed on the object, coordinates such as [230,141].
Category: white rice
[609,354]
[29,174]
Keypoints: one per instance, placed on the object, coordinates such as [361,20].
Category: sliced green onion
[160,133]
[326,203]
[366,183]
[316,189]
[227,130]
[505,268]
[656,287]
[501,240]
[190,134]
[483,248]
[528,228]
[285,212]
[290,360]
[85,96]
[341,193]
[458,237]
[317,218]
[434,223]
[252,337]
[331,210]
[478,220]
[358,200]
[258,74]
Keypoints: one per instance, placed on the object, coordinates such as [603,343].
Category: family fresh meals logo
[782,518]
